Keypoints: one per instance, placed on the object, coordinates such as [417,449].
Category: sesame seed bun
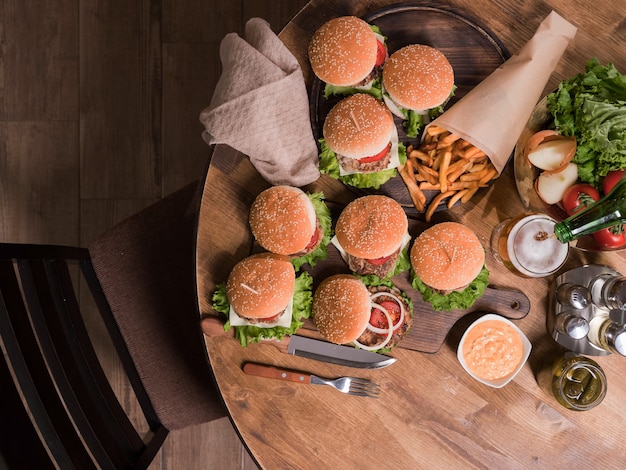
[261,285]
[282,219]
[447,256]
[371,227]
[341,308]
[342,51]
[358,126]
[418,77]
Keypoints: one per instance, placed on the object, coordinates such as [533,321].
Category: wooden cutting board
[231,185]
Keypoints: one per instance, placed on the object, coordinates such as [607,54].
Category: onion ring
[389,333]
[383,331]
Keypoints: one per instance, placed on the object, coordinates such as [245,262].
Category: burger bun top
[283,220]
[447,256]
[418,77]
[341,308]
[358,126]
[342,52]
[371,227]
[261,285]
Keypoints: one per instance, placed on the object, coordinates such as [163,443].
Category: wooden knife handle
[273,372]
[214,326]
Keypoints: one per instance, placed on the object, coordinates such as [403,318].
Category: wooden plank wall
[99,106]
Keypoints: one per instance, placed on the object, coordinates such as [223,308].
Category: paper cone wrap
[493,114]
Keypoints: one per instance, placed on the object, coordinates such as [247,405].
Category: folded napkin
[260,107]
[493,114]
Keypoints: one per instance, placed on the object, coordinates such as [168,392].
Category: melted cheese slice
[284,320]
[405,242]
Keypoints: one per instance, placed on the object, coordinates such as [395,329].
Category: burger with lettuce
[287,221]
[347,54]
[360,144]
[263,298]
[448,266]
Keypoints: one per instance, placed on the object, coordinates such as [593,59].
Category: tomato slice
[578,197]
[314,238]
[378,318]
[379,156]
[381,53]
[379,261]
[611,179]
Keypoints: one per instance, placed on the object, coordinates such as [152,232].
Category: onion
[383,331]
[389,334]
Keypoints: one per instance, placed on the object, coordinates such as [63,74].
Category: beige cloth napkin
[260,107]
[493,114]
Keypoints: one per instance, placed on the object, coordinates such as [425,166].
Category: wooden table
[431,414]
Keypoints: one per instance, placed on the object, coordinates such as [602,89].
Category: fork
[350,385]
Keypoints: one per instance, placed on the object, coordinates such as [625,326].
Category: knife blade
[311,348]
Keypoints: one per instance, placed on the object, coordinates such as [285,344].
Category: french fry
[417,196]
[456,197]
[435,202]
[447,163]
[443,171]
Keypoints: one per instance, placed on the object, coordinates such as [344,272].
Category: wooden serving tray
[473,51]
[231,185]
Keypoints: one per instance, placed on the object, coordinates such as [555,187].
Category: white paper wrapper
[260,107]
[493,114]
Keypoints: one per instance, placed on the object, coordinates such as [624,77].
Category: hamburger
[417,82]
[263,298]
[360,143]
[287,221]
[448,266]
[372,236]
[358,310]
[347,54]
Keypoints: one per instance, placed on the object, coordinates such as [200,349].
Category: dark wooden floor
[99,106]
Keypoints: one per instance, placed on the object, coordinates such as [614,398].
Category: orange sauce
[492,350]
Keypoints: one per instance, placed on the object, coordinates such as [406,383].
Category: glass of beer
[526,245]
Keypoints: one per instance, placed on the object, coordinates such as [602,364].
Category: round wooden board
[473,51]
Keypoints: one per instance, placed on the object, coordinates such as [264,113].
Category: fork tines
[364,388]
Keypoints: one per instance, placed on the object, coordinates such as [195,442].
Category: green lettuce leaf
[403,263]
[414,122]
[323,214]
[302,300]
[330,165]
[375,90]
[592,107]
[454,300]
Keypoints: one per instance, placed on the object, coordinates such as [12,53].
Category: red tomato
[611,180]
[379,156]
[378,318]
[612,237]
[579,196]
[378,261]
[381,53]
[313,240]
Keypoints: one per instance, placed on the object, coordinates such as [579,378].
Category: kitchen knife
[311,348]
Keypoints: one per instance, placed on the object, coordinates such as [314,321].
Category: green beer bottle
[607,212]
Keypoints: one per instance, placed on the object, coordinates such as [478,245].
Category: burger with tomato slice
[360,146]
[417,83]
[347,54]
[448,266]
[369,312]
[372,236]
[287,221]
[263,298]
